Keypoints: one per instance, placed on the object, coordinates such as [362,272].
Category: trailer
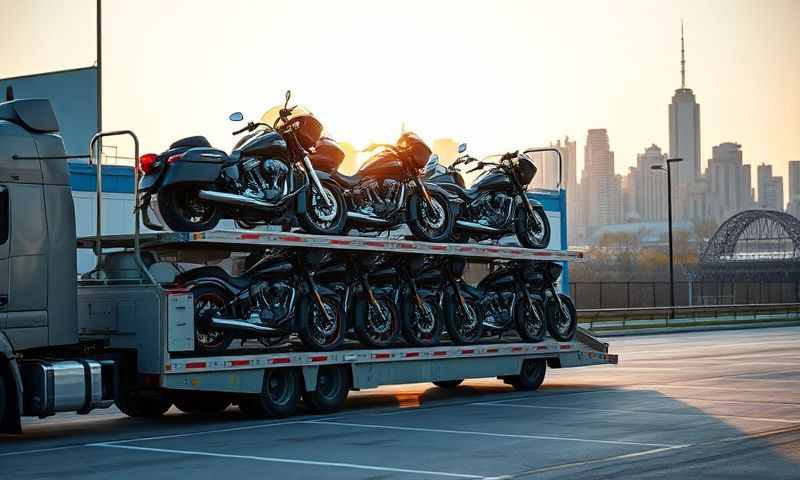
[124,333]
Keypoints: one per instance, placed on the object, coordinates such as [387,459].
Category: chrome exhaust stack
[243,326]
[361,218]
[476,227]
[244,201]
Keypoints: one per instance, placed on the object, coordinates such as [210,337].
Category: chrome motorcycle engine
[493,209]
[497,309]
[270,304]
[377,197]
[265,180]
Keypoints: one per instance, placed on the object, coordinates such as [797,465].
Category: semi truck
[123,334]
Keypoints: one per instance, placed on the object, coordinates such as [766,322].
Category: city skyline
[605,68]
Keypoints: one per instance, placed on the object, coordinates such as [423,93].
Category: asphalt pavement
[722,404]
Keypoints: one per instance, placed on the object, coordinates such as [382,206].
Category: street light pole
[670,161]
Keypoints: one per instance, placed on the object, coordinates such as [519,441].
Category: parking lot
[720,404]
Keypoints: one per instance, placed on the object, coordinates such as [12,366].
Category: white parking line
[635,412]
[489,434]
[287,460]
[38,450]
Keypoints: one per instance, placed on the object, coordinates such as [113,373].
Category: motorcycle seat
[468,194]
[347,181]
[191,142]
[240,282]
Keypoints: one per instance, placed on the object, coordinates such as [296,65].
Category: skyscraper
[601,187]
[770,189]
[729,181]
[569,182]
[650,188]
[794,188]
[684,138]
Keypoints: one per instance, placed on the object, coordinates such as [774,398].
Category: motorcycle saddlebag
[196,165]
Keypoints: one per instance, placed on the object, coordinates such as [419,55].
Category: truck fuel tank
[69,385]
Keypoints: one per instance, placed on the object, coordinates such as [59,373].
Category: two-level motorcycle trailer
[124,334]
[158,324]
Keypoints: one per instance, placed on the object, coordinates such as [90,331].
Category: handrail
[98,250]
[690,307]
[560,160]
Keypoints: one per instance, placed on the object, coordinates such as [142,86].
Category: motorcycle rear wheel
[321,220]
[209,299]
[532,232]
[183,211]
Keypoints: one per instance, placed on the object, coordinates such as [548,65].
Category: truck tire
[448,384]
[3,398]
[333,385]
[148,404]
[279,395]
[201,402]
[530,377]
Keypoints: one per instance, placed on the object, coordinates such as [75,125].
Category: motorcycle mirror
[236,117]
[462,147]
[288,96]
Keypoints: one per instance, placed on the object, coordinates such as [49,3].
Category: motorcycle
[363,283]
[267,179]
[420,284]
[511,302]
[496,204]
[389,189]
[559,309]
[463,311]
[275,297]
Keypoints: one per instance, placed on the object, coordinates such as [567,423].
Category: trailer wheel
[141,403]
[333,385]
[279,395]
[449,384]
[201,402]
[530,377]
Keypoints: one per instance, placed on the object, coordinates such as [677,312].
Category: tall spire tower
[684,138]
[683,60]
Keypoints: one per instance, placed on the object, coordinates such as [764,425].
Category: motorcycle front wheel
[532,231]
[561,323]
[184,211]
[463,329]
[319,331]
[422,324]
[319,219]
[529,320]
[372,328]
[432,223]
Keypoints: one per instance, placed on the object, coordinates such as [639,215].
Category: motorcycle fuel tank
[493,180]
[384,164]
[501,277]
[267,143]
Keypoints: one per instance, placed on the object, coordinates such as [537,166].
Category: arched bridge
[754,244]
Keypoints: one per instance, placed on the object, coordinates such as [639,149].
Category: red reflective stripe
[196,365]
[341,242]
[565,347]
[440,353]
[239,363]
[406,245]
[491,350]
[249,236]
[375,244]
[438,247]
[542,347]
[468,350]
[381,356]
[412,354]
[319,358]
[176,291]
[281,360]
[291,238]
[516,349]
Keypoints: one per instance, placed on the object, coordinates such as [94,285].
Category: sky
[498,75]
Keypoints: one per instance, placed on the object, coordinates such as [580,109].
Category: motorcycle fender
[197,166]
[533,202]
[213,281]
[470,292]
[151,181]
[452,198]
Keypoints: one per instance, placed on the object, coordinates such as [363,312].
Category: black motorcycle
[559,310]
[420,285]
[267,179]
[463,312]
[389,190]
[275,297]
[497,203]
[364,286]
[512,300]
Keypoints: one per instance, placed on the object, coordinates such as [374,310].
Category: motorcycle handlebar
[243,129]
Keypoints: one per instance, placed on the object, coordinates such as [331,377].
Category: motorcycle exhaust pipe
[476,227]
[243,201]
[242,326]
[361,218]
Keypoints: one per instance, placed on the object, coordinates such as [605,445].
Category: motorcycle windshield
[273,115]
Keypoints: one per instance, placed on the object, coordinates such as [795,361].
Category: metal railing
[605,319]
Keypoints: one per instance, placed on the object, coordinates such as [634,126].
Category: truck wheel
[201,402]
[333,385]
[371,329]
[139,403]
[448,384]
[279,395]
[530,377]
[183,211]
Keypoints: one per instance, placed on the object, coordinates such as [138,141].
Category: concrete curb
[684,329]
